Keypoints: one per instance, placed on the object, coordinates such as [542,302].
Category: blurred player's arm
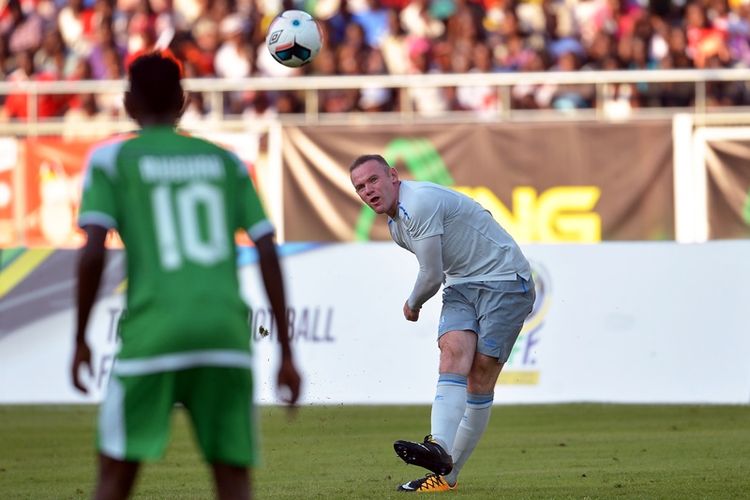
[90,269]
[273,281]
[429,252]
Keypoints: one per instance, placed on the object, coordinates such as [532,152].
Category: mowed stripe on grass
[545,451]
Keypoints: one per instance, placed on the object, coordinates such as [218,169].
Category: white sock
[473,425]
[448,408]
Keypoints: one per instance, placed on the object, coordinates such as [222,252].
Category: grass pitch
[546,452]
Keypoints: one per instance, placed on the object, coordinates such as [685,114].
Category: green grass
[547,452]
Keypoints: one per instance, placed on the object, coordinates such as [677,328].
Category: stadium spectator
[53,56]
[619,98]
[428,101]
[24,30]
[110,103]
[599,51]
[234,59]
[463,30]
[325,65]
[16,105]
[575,96]
[374,22]
[417,20]
[480,98]
[191,346]
[334,16]
[442,62]
[220,9]
[190,10]
[394,46]
[705,38]
[105,46]
[488,294]
[141,30]
[166,18]
[287,102]
[414,36]
[537,95]
[5,61]
[81,72]
[441,57]
[75,23]
[195,111]
[82,117]
[374,98]
[344,100]
[196,108]
[354,38]
[511,54]
[739,35]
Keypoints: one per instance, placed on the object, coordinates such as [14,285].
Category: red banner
[40,188]
[53,180]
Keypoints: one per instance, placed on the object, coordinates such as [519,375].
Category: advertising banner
[615,322]
[53,179]
[41,180]
[545,182]
[8,161]
[728,175]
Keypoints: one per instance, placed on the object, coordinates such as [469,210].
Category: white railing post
[311,106]
[700,97]
[684,183]
[276,179]
[505,101]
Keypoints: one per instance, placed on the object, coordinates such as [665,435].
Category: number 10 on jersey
[178,213]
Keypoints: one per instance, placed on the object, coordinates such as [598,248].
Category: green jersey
[177,202]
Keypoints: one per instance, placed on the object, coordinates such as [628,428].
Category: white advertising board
[614,322]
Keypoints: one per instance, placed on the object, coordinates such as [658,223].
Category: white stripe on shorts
[112,421]
[181,361]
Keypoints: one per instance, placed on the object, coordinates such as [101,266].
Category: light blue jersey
[474,246]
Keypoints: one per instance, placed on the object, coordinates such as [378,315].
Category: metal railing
[406,85]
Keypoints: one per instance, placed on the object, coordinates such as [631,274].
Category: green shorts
[134,418]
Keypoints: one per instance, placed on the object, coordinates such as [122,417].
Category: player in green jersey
[176,202]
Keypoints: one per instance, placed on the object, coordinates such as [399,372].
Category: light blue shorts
[494,310]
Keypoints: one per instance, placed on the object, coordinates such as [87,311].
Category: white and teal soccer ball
[294,38]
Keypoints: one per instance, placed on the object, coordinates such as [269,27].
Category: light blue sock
[473,425]
[448,408]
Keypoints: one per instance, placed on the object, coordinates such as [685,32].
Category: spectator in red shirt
[17,103]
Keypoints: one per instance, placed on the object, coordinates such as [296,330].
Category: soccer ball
[294,38]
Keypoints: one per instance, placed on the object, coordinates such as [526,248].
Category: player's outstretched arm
[90,269]
[270,268]
[429,252]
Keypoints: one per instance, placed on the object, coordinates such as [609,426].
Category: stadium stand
[43,40]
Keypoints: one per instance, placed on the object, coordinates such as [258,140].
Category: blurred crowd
[94,39]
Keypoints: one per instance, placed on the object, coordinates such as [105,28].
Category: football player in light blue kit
[488,293]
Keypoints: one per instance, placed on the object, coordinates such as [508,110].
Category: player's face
[377,185]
